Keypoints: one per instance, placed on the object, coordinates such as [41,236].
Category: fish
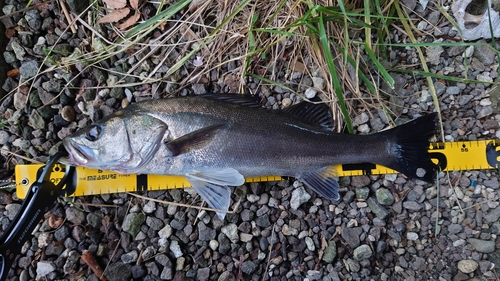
[218,140]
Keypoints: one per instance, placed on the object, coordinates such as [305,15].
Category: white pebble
[310,93]
[412,236]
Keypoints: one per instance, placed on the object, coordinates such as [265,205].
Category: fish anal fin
[324,182]
[216,196]
[193,140]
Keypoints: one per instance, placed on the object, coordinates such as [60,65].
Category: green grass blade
[333,73]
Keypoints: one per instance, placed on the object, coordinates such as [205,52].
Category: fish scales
[216,142]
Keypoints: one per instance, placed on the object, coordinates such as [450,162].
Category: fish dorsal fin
[212,186]
[193,140]
[313,114]
[244,100]
[323,182]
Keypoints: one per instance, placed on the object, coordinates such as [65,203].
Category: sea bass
[216,141]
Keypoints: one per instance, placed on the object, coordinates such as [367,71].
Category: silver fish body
[216,143]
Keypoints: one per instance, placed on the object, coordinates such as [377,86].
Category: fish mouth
[78,155]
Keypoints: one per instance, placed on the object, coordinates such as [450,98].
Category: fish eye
[93,133]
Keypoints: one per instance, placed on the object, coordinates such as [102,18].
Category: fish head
[124,142]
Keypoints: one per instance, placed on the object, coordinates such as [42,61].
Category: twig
[181,205]
[89,259]
[70,20]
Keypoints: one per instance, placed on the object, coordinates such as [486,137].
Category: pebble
[299,197]
[132,223]
[482,246]
[467,266]
[384,196]
[231,232]
[330,252]
[175,249]
[377,209]
[362,252]
[43,268]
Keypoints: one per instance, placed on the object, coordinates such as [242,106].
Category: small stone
[132,223]
[20,100]
[231,232]
[467,266]
[205,233]
[412,206]
[310,93]
[246,237]
[384,196]
[299,196]
[351,236]
[28,69]
[75,216]
[288,230]
[377,209]
[362,252]
[18,50]
[318,83]
[175,249]
[118,271]
[45,267]
[248,267]
[203,274]
[330,252]
[36,121]
[213,244]
[130,257]
[482,246]
[412,236]
[68,113]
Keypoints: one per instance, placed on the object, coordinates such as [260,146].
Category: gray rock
[175,249]
[362,252]
[299,197]
[330,252]
[360,181]
[118,271]
[199,89]
[203,274]
[248,267]
[484,54]
[205,233]
[384,196]
[75,216]
[454,228]
[28,69]
[4,137]
[231,232]
[482,246]
[33,18]
[132,223]
[18,50]
[351,236]
[165,232]
[12,210]
[376,208]
[130,257]
[485,111]
[493,215]
[43,268]
[412,206]
[36,121]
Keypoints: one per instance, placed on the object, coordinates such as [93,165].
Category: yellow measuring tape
[450,156]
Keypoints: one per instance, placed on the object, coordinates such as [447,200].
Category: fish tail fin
[409,148]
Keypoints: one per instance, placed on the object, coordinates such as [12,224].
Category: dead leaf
[129,22]
[116,4]
[134,4]
[114,16]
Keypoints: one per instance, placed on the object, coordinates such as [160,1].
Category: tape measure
[450,156]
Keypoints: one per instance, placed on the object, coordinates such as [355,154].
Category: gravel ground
[383,228]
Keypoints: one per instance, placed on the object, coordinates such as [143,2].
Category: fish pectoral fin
[324,182]
[227,176]
[216,196]
[193,140]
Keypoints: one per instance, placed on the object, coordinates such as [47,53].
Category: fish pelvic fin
[324,182]
[409,148]
[193,140]
[212,186]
